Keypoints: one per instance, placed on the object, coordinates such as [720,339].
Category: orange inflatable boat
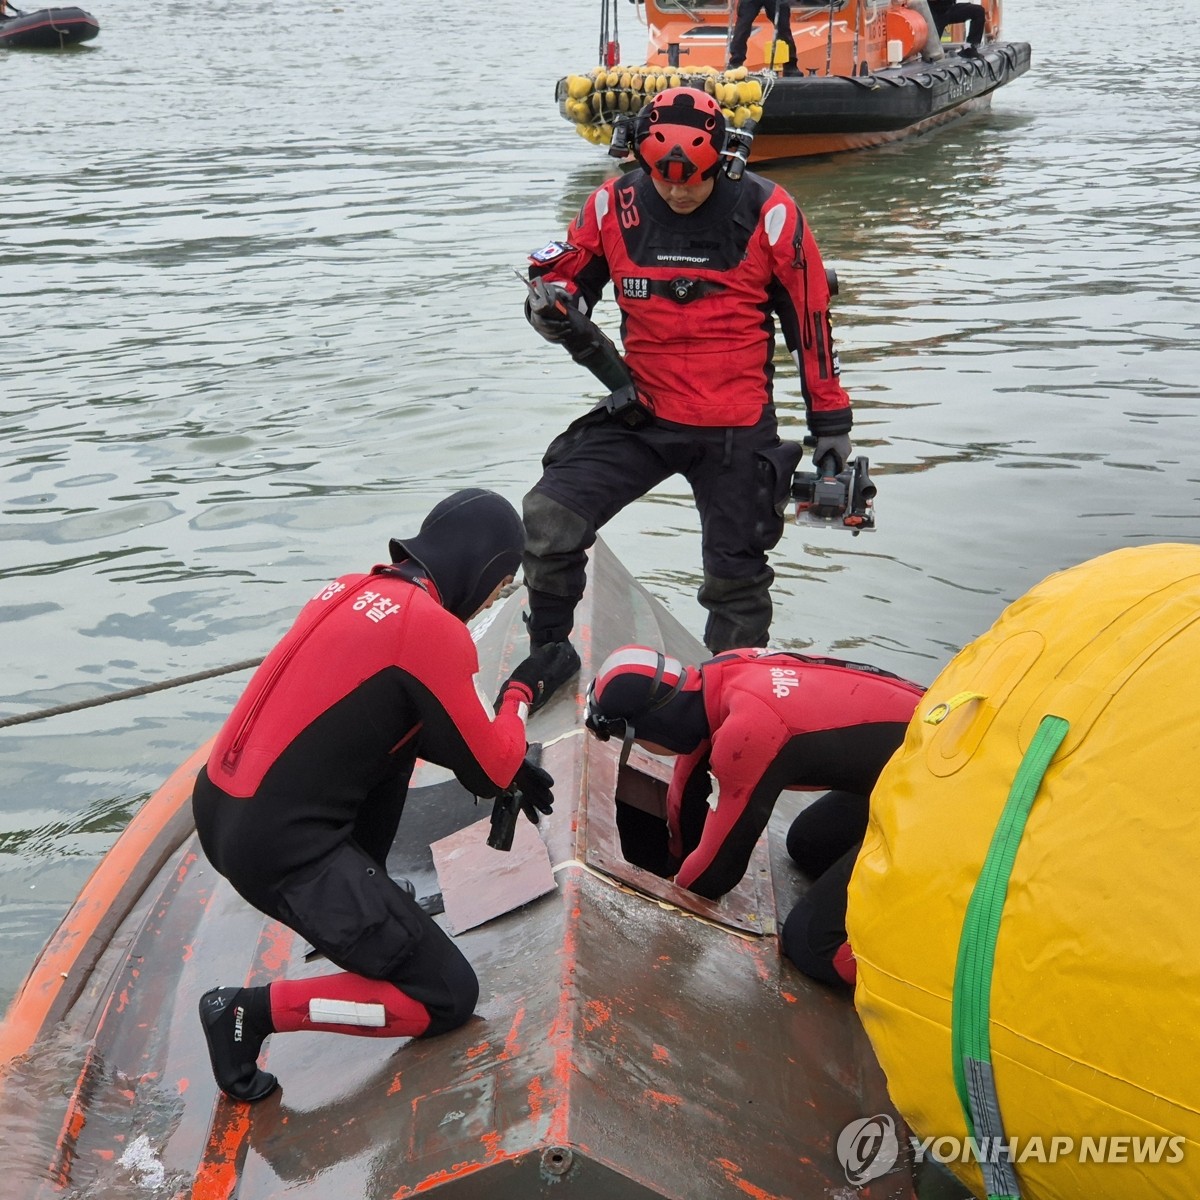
[865,72]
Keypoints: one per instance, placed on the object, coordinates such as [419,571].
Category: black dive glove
[528,674]
[546,310]
[535,786]
[530,793]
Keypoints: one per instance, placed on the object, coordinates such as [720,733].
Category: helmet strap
[626,746]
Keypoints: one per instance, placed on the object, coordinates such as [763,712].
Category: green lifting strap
[970,1031]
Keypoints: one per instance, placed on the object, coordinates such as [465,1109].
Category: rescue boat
[632,1040]
[866,72]
[47,28]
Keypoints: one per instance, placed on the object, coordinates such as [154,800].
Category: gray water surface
[257,314]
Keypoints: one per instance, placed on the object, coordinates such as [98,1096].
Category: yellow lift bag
[1025,911]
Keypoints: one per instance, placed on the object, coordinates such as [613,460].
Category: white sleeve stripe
[346,1012]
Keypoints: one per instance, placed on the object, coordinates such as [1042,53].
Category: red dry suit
[777,721]
[381,658]
[699,295]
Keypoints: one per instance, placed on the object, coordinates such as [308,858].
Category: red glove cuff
[522,691]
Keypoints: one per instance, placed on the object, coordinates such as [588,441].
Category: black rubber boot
[235,1022]
[560,664]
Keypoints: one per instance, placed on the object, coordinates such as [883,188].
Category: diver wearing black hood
[302,794]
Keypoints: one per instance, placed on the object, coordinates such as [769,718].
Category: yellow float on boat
[595,100]
[1024,910]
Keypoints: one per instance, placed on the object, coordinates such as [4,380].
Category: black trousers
[740,478]
[823,841]
[322,882]
[747,10]
[950,14]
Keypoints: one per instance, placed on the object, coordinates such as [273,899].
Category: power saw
[833,499]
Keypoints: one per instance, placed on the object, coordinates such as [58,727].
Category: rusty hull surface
[624,1047]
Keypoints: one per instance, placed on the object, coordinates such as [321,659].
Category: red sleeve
[801,297]
[457,727]
[686,766]
[743,749]
[579,263]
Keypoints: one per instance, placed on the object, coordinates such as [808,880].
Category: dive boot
[235,1022]
[560,664]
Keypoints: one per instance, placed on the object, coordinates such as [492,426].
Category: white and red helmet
[633,689]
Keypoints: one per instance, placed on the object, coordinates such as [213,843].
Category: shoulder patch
[774,221]
[554,250]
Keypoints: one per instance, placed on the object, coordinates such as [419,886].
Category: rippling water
[258,314]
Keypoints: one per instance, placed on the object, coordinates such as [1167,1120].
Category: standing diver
[703,266]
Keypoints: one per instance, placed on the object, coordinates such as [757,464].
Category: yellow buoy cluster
[594,101]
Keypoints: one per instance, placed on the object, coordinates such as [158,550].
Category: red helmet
[680,135]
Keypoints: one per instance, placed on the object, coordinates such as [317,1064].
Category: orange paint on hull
[58,964]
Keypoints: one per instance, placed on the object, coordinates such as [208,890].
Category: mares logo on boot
[235,1034]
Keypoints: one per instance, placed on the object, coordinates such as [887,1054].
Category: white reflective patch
[630,656]
[715,794]
[601,205]
[346,1012]
[774,222]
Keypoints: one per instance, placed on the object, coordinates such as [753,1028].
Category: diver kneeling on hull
[302,795]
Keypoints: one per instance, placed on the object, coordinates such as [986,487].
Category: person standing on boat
[302,794]
[947,12]
[746,725]
[702,267]
[779,13]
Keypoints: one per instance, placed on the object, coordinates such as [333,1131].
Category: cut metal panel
[479,883]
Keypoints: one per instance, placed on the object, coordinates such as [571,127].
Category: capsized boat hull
[48,29]
[631,1040]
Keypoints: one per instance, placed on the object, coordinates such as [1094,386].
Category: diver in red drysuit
[702,268]
[302,794]
[747,724]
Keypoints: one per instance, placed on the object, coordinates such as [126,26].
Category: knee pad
[555,562]
[739,610]
[551,528]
